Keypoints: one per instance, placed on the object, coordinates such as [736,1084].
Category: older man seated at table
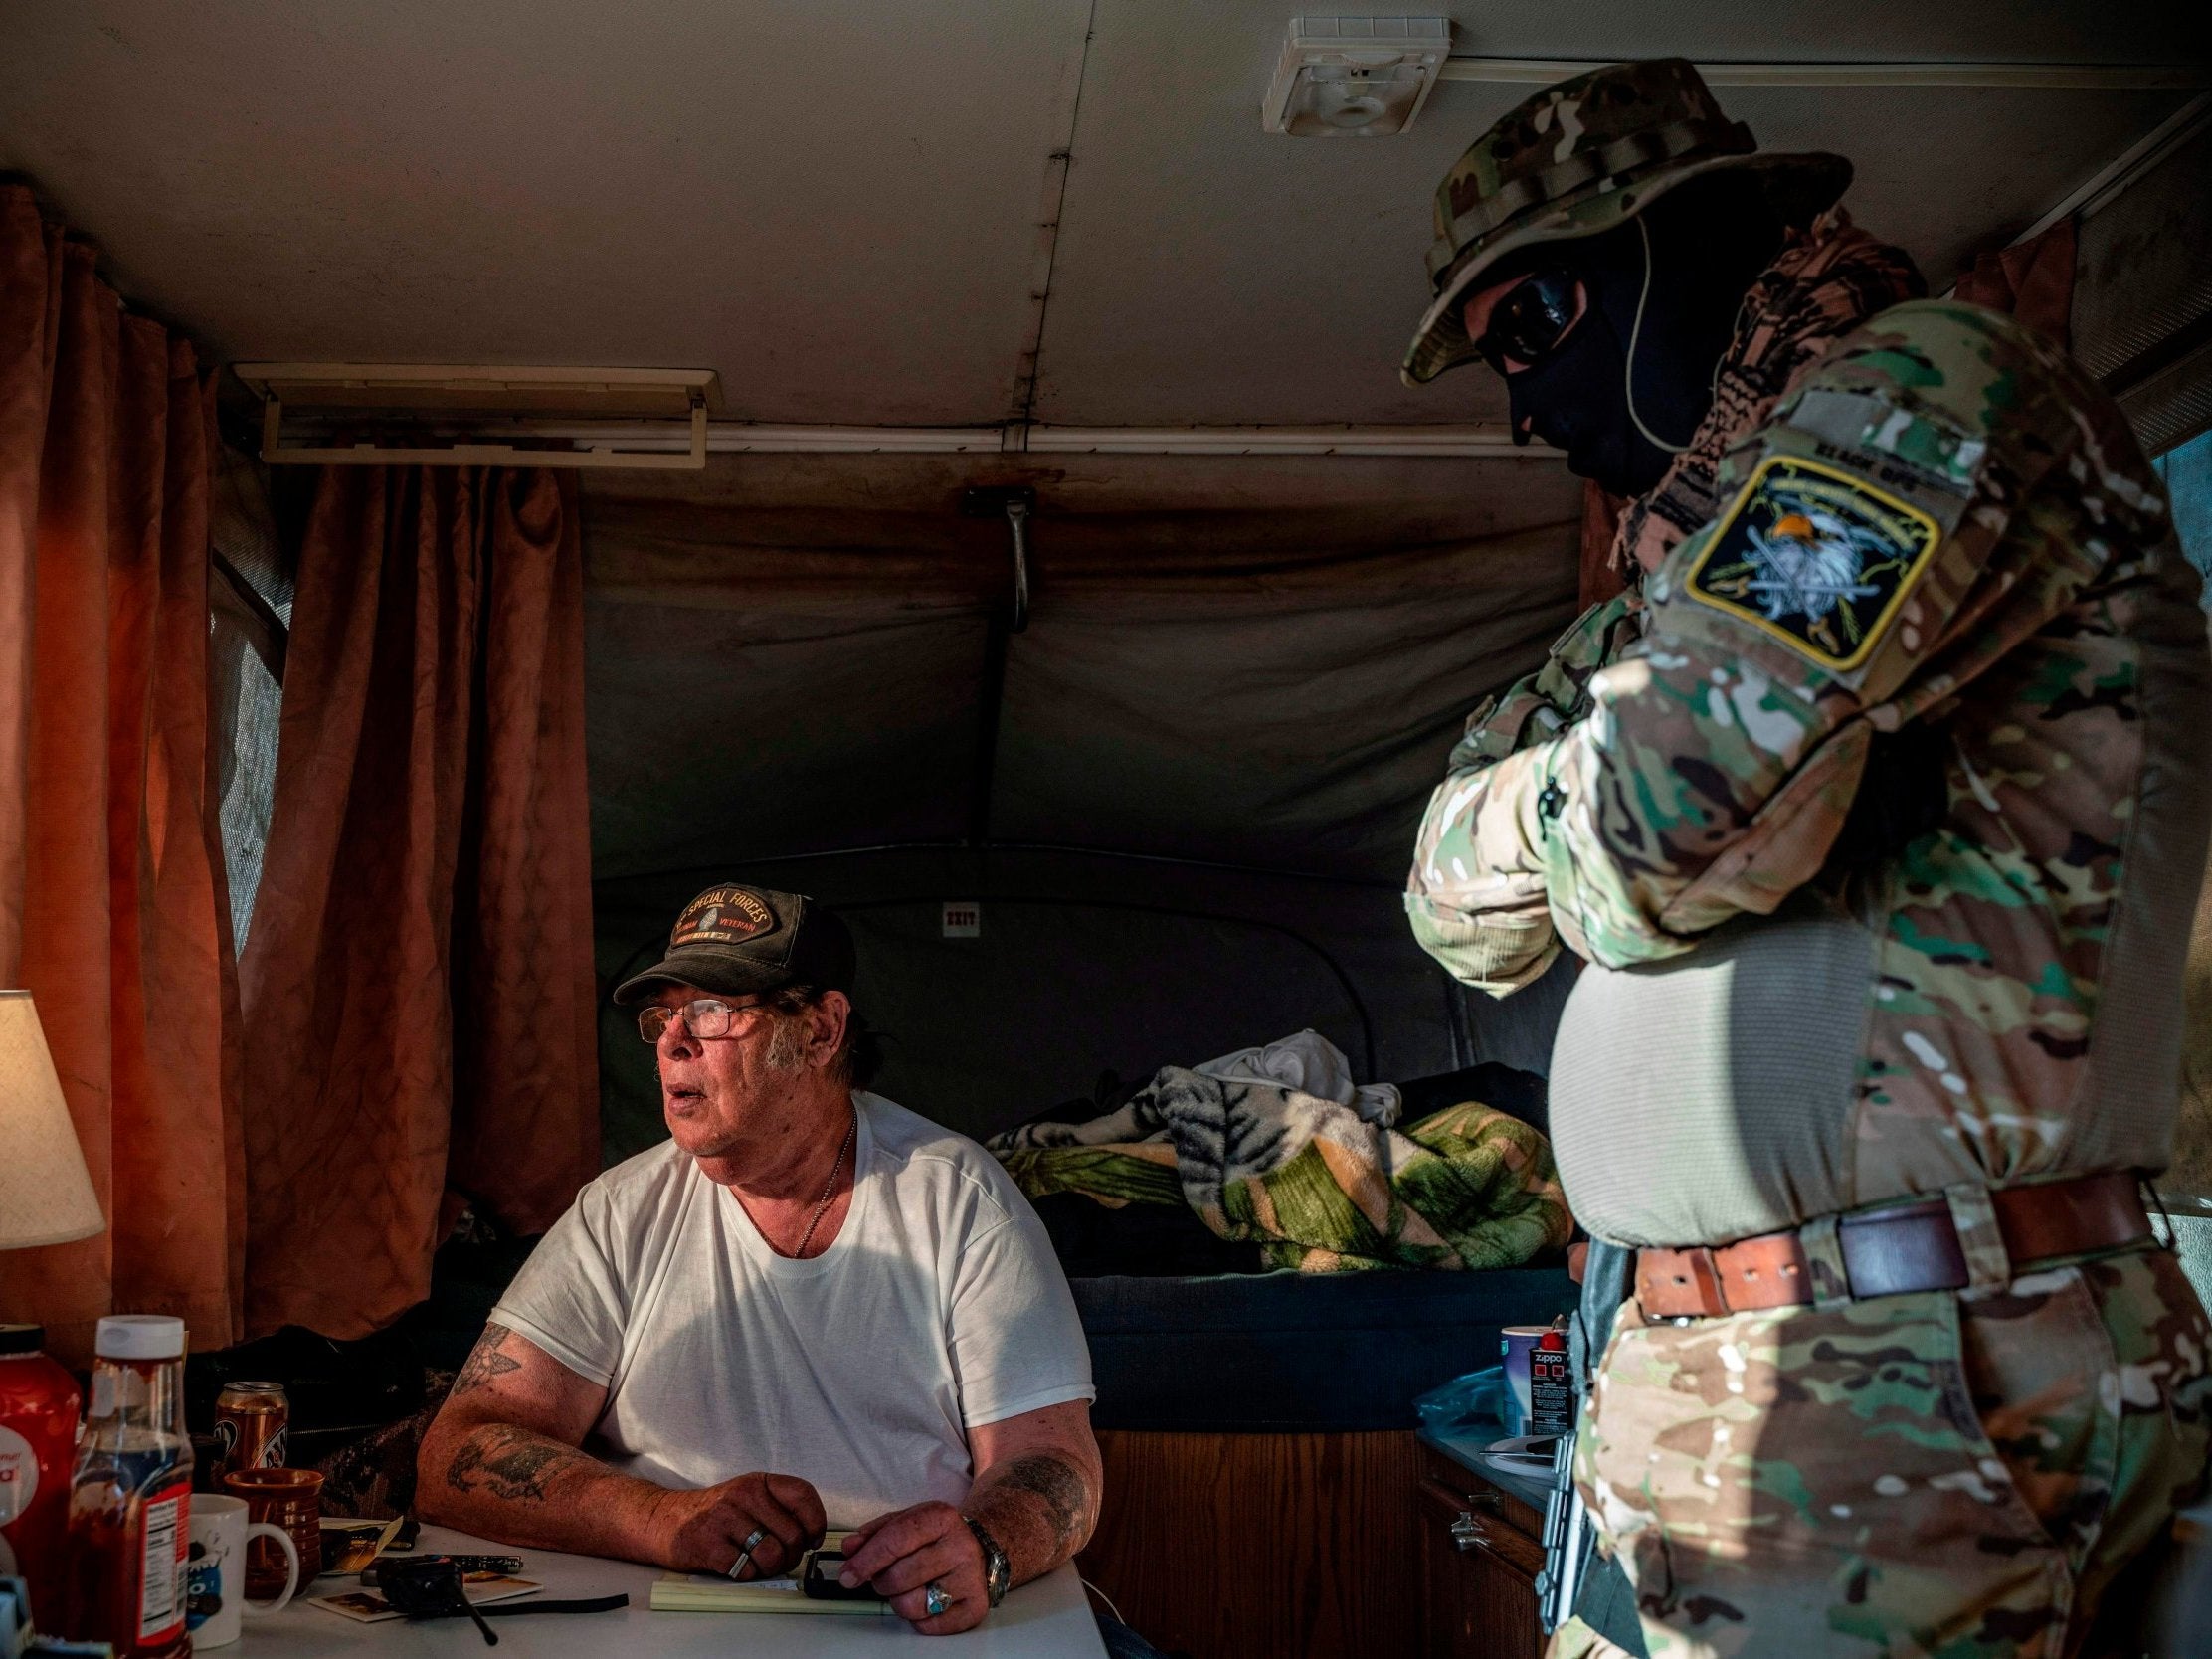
[808,1308]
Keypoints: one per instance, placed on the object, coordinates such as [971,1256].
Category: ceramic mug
[215,1570]
[290,1500]
[1517,1343]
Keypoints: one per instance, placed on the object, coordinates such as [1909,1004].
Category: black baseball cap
[735,940]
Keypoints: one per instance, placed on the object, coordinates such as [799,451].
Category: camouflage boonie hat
[1580,158]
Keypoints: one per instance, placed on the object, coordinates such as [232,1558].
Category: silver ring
[935,1601]
[745,1552]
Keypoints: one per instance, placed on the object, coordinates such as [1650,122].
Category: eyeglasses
[1530,320]
[703,1016]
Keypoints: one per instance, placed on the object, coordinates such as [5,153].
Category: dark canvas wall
[1185,794]
[1083,965]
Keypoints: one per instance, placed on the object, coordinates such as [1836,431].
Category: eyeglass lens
[704,1016]
[1529,321]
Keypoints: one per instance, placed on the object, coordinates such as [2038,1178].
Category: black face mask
[1706,248]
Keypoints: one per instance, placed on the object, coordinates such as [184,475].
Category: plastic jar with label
[130,1497]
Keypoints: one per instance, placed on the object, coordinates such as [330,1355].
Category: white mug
[215,1570]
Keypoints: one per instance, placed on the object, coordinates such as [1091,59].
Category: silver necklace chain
[850,1130]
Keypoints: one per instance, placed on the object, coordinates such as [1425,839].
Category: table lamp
[46,1192]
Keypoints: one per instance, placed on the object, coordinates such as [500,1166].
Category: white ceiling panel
[1209,272]
[832,204]
[845,206]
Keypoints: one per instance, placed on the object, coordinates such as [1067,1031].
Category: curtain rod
[1488,438]
[1543,71]
[1067,848]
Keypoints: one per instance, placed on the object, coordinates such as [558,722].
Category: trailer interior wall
[870,213]
[2142,296]
[1183,793]
[996,215]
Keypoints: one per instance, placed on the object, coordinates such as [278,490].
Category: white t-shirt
[939,1306]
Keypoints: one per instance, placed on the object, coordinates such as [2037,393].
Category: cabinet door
[1478,1578]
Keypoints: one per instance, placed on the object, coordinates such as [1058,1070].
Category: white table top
[1048,1619]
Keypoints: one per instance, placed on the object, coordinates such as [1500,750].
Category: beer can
[249,1423]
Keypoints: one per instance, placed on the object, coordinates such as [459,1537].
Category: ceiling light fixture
[1355,77]
[475,414]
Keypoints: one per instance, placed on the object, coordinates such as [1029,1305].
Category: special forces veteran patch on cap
[1816,557]
[721,916]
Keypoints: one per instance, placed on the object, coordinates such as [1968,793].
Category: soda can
[249,1423]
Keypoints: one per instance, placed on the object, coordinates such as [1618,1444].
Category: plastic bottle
[39,1406]
[129,1514]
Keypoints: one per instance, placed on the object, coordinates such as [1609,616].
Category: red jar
[131,1495]
[39,1406]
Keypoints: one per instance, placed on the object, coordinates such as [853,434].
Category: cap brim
[728,975]
[1440,341]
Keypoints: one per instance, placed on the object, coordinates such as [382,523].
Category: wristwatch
[997,1571]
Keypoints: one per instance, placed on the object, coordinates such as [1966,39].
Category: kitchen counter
[1468,1446]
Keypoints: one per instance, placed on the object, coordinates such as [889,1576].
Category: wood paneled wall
[1263,1546]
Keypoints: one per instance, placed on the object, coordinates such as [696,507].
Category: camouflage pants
[1943,1475]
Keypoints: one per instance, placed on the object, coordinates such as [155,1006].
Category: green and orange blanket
[1317,1187]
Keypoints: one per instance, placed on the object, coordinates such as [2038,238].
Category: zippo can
[1551,1386]
[250,1420]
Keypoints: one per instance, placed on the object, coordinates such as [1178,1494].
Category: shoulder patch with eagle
[1815,556]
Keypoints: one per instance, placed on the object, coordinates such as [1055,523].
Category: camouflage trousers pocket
[1817,1480]
[2041,1366]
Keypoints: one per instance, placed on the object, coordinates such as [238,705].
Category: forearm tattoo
[1059,1485]
[509,1463]
[485,1362]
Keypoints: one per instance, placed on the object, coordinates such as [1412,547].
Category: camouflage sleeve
[1888,538]
[1488,924]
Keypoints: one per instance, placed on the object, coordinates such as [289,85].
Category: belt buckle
[1884,1257]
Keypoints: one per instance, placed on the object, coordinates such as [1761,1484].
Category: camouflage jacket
[1827,279]
[1491,928]
[1943,520]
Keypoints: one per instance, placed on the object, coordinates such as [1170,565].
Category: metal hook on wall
[1016,503]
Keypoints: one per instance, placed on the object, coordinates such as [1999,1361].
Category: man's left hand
[902,1553]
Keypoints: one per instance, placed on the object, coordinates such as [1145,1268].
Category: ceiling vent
[1355,77]
[473,415]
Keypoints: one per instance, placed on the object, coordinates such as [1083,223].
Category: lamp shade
[46,1192]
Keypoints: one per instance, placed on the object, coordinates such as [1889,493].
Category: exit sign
[962,919]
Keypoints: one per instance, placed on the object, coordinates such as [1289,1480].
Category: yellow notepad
[704,1592]
[710,1593]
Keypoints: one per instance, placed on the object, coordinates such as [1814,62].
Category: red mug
[288,1499]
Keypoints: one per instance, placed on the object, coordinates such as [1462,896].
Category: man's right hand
[706,1528]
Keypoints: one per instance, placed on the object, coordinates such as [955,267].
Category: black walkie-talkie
[819,1579]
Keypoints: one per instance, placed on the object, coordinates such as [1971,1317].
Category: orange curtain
[112,908]
[2032,280]
[417,979]
[1599,576]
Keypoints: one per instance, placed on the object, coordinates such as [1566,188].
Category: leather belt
[1891,1252]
